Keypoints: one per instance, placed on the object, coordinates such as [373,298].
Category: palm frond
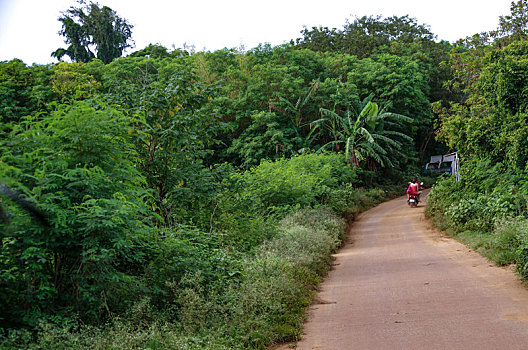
[307,138]
[328,113]
[398,134]
[366,133]
[371,109]
[394,116]
[388,140]
[348,146]
[366,100]
[326,145]
[313,89]
[369,151]
[376,147]
[289,105]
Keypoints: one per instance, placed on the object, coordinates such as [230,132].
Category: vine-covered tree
[93,31]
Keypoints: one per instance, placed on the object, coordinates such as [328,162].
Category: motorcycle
[413,200]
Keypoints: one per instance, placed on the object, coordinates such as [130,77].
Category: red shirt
[414,188]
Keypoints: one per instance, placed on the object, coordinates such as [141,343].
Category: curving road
[399,284]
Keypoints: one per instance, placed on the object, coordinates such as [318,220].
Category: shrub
[263,305]
[302,180]
[509,239]
[78,163]
[486,210]
[277,283]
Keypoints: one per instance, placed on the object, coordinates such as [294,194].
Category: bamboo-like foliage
[296,110]
[295,114]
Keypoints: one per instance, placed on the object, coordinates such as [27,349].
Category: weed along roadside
[489,217]
[324,233]
[279,282]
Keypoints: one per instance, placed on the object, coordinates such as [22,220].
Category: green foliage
[242,208]
[242,229]
[23,90]
[399,61]
[267,137]
[154,241]
[365,36]
[78,163]
[93,32]
[348,201]
[275,96]
[158,51]
[487,210]
[487,125]
[263,305]
[300,181]
[489,71]
[277,281]
[74,81]
[366,136]
[491,122]
[400,81]
[512,27]
[164,99]
[171,256]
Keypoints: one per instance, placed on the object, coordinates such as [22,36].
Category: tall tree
[488,121]
[513,27]
[165,99]
[93,31]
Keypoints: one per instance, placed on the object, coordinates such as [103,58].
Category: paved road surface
[399,284]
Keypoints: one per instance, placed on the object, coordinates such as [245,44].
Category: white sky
[28,28]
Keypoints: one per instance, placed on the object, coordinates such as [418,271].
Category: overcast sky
[28,28]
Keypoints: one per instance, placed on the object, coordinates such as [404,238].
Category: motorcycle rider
[414,189]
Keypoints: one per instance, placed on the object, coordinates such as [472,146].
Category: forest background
[193,199]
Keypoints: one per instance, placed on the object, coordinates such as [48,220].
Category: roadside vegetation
[487,208]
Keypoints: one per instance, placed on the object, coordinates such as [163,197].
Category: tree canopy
[93,31]
[365,36]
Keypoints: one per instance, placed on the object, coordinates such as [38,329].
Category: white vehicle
[447,163]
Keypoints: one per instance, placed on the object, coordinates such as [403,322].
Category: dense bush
[151,243]
[487,126]
[78,163]
[242,280]
[486,209]
[264,304]
[299,181]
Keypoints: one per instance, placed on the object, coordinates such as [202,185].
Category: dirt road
[399,284]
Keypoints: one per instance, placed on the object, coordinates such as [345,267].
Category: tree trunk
[354,162]
[425,143]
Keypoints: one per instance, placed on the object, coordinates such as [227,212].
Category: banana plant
[366,134]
